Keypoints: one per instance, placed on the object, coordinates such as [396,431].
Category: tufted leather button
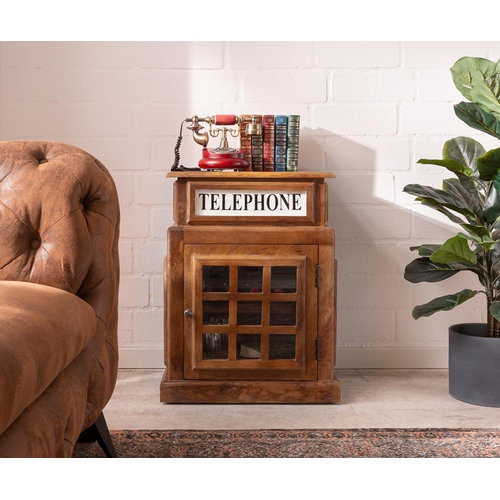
[35,244]
[81,207]
[44,160]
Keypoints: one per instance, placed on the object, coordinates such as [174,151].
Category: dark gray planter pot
[474,365]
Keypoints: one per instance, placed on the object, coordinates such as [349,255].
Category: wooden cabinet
[250,290]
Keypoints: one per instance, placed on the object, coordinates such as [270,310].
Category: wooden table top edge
[220,174]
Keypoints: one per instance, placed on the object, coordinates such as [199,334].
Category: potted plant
[471,200]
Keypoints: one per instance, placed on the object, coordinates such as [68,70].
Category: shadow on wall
[373,239]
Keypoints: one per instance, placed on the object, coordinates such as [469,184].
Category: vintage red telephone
[222,157]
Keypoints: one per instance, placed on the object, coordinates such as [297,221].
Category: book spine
[280,142]
[268,127]
[245,140]
[257,150]
[292,147]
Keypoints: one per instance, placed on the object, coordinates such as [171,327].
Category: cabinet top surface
[201,174]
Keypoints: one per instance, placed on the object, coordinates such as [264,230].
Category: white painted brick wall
[309,87]
[180,55]
[373,86]
[357,119]
[262,55]
[180,88]
[369,111]
[359,55]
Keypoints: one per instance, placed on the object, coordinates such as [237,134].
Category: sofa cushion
[42,329]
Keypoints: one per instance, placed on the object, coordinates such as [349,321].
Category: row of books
[277,149]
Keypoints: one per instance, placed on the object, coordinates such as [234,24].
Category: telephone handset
[223,157]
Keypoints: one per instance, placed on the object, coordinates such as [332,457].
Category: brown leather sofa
[59,275]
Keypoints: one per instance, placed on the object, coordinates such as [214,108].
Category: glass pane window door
[252,311]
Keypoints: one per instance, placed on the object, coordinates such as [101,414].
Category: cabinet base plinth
[240,392]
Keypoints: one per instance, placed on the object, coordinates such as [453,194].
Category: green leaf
[496,254]
[488,165]
[463,150]
[452,165]
[469,196]
[485,244]
[441,209]
[482,233]
[425,250]
[423,270]
[478,80]
[473,115]
[484,95]
[440,197]
[445,303]
[455,249]
[465,70]
[491,210]
[493,83]
[495,310]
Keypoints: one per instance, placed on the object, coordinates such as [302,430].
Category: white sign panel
[223,203]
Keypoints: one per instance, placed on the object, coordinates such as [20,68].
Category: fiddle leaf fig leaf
[469,196]
[463,150]
[455,249]
[423,270]
[491,210]
[466,69]
[484,95]
[451,164]
[441,198]
[473,115]
[493,83]
[481,233]
[445,303]
[436,206]
[495,310]
[488,165]
[483,243]
[425,250]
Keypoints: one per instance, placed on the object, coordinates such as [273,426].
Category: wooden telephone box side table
[250,290]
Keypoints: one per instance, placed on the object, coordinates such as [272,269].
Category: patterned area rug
[322,443]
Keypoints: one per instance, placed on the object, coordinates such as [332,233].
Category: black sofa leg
[99,432]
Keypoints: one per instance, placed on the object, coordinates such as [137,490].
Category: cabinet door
[251,312]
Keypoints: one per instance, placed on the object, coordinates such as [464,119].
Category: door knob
[188,313]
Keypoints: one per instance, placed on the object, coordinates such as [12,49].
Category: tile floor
[371,399]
